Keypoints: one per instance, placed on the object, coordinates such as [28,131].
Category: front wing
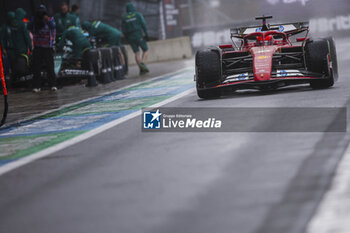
[277,80]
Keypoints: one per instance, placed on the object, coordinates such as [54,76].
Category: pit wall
[165,50]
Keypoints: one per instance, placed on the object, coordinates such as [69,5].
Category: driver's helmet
[259,40]
[269,40]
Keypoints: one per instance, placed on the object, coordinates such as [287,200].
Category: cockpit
[265,39]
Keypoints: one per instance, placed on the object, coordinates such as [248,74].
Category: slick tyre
[209,94]
[208,73]
[316,55]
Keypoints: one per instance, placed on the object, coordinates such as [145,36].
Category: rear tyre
[316,54]
[208,73]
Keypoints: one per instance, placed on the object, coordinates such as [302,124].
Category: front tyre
[208,73]
[318,54]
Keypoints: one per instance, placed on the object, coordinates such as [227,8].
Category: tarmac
[121,179]
[26,104]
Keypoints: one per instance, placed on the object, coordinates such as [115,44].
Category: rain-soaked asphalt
[23,104]
[124,180]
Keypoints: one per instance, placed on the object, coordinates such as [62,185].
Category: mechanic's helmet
[259,40]
[269,40]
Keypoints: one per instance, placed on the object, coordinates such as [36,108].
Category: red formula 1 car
[268,57]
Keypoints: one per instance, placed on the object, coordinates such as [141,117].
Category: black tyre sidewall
[208,67]
[316,53]
[333,53]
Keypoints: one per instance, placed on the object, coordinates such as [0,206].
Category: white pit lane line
[333,214]
[46,152]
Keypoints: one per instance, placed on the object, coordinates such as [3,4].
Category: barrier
[165,50]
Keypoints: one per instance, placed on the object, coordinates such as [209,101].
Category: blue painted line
[3,162]
[88,121]
[59,125]
[166,77]
[105,118]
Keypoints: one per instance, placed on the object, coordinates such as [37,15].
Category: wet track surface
[123,180]
[24,104]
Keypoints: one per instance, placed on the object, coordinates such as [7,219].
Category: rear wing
[290,29]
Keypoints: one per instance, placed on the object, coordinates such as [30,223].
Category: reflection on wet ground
[25,104]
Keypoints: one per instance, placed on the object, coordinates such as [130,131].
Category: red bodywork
[262,62]
[265,59]
[263,53]
[262,46]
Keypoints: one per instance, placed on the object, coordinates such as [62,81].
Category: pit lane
[123,180]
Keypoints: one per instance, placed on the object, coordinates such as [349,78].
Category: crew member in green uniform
[7,44]
[80,43]
[108,34]
[16,40]
[75,12]
[135,32]
[25,41]
[6,40]
[16,37]
[63,20]
[20,14]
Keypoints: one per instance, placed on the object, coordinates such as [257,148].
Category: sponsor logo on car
[73,72]
[283,73]
[237,77]
[288,73]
